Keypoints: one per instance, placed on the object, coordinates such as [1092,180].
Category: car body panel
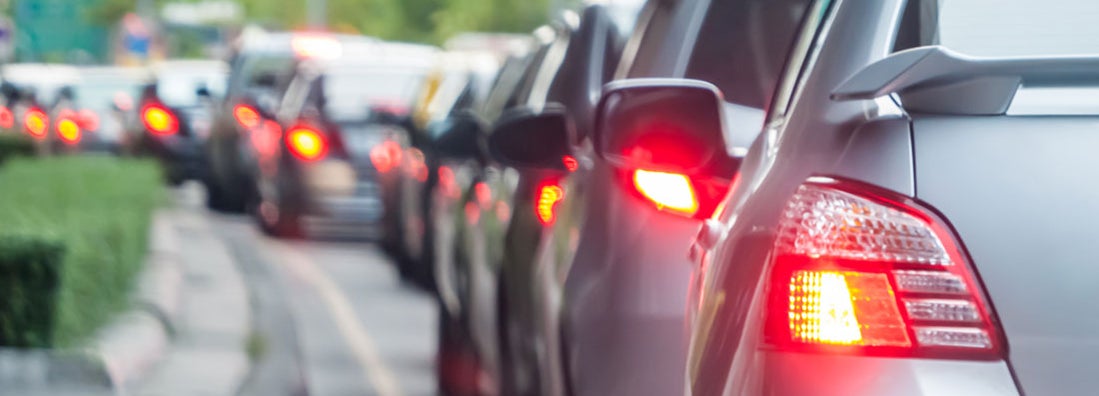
[1012,189]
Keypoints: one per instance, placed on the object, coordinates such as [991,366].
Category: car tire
[458,369]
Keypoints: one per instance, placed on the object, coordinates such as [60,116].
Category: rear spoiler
[934,79]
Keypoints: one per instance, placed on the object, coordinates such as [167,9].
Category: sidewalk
[186,335]
[211,328]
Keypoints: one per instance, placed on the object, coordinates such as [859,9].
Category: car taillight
[386,156]
[159,120]
[67,127]
[669,191]
[88,120]
[246,116]
[549,195]
[37,123]
[860,270]
[7,118]
[306,143]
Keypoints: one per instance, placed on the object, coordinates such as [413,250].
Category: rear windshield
[350,94]
[101,93]
[180,89]
[1004,28]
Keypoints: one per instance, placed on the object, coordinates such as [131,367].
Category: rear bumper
[789,373]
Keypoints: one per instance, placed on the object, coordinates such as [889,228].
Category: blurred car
[31,91]
[913,219]
[173,116]
[260,69]
[327,173]
[446,106]
[103,104]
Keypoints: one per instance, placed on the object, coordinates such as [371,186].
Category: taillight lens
[306,143]
[37,122]
[159,120]
[549,195]
[246,116]
[386,156]
[88,120]
[7,119]
[68,130]
[857,269]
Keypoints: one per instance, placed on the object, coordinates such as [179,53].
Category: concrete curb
[134,342]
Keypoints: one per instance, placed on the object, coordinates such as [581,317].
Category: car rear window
[999,28]
[350,95]
[742,47]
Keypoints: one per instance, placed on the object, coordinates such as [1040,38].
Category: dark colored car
[173,116]
[451,95]
[259,70]
[326,165]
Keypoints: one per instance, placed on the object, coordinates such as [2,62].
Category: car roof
[24,73]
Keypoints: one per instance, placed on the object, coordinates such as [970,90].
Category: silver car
[914,218]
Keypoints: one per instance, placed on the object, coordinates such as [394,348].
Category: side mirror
[669,136]
[664,125]
[460,136]
[522,139]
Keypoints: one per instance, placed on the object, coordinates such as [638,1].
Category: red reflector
[88,120]
[549,195]
[669,191]
[306,144]
[246,116]
[7,119]
[36,122]
[159,120]
[386,156]
[68,130]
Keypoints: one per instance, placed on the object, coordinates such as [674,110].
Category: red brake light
[386,156]
[549,195]
[861,270]
[7,119]
[159,120]
[88,120]
[306,144]
[669,191]
[246,116]
[68,130]
[570,163]
[36,122]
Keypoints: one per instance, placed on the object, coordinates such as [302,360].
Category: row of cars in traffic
[792,197]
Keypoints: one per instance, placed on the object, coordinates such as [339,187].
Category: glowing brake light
[669,191]
[386,156]
[867,271]
[7,119]
[306,144]
[549,195]
[37,123]
[88,120]
[159,120]
[246,116]
[68,130]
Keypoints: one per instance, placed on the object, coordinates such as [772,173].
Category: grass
[100,208]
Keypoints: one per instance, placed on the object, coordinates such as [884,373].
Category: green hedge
[99,209]
[30,270]
[15,145]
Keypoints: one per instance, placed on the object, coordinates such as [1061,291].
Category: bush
[100,209]
[30,270]
[15,145]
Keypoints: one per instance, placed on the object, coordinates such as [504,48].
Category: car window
[350,94]
[100,94]
[179,89]
[742,47]
[248,68]
[998,28]
[658,39]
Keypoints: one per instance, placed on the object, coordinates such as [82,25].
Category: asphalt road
[331,318]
